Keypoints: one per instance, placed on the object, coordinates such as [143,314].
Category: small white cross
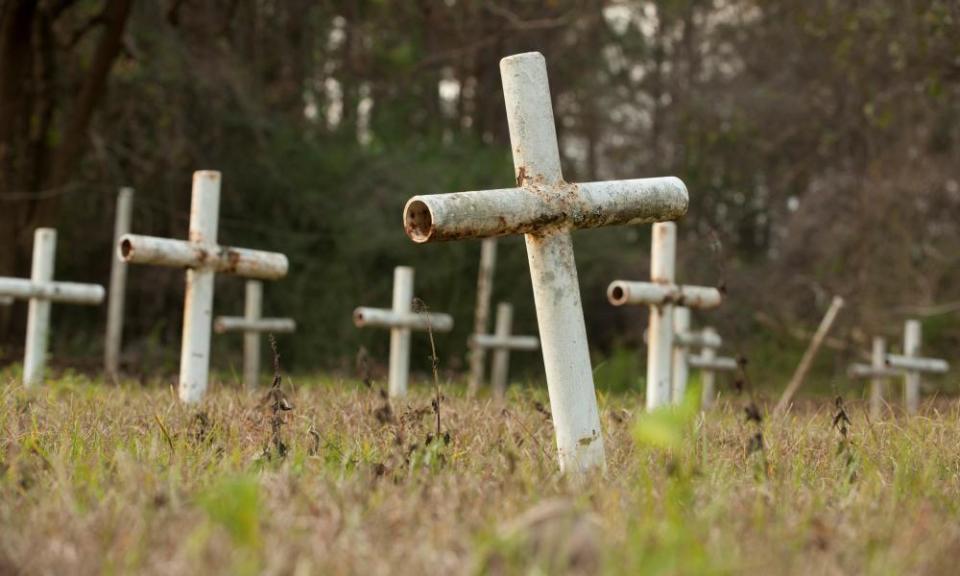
[41,290]
[203,258]
[401,319]
[252,324]
[502,342]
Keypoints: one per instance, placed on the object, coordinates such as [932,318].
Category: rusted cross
[203,258]
[545,208]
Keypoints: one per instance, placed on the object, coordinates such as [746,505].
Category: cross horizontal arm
[622,292]
[868,371]
[494,342]
[699,339]
[533,208]
[718,364]
[70,292]
[379,317]
[139,249]
[913,364]
[240,324]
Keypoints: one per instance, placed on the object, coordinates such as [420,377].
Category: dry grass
[97,479]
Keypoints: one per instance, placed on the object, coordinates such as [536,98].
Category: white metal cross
[707,361]
[252,324]
[401,319]
[41,291]
[662,294]
[502,342]
[203,258]
[546,208]
[912,365]
[878,372]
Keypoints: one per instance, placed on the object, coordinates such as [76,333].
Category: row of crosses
[543,207]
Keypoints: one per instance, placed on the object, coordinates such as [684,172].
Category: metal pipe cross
[41,291]
[545,209]
[401,319]
[708,340]
[662,294]
[252,324]
[502,342]
[203,258]
[878,372]
[912,365]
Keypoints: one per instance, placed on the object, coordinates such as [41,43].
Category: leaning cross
[661,294]
[203,258]
[401,319]
[911,365]
[502,342]
[41,290]
[252,324]
[546,209]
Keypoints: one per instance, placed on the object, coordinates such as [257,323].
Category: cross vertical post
[680,368]
[488,263]
[400,335]
[877,382]
[663,254]
[708,377]
[198,301]
[252,312]
[911,379]
[38,311]
[118,287]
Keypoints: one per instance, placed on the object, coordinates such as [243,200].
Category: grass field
[100,479]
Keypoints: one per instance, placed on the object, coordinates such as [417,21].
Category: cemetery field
[99,479]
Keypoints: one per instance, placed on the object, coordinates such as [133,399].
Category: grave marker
[401,320]
[252,324]
[878,372]
[912,365]
[545,208]
[707,361]
[41,291]
[203,258]
[502,342]
[661,294]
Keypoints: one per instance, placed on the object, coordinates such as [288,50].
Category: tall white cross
[41,291]
[912,365]
[488,264]
[502,342]
[401,319]
[252,324]
[118,286]
[203,258]
[545,208]
[661,294]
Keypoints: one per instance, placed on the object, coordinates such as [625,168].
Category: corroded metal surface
[63,292]
[625,293]
[138,249]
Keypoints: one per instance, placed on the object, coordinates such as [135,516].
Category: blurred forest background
[819,139]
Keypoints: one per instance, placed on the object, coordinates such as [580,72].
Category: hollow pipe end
[618,293]
[358,318]
[418,220]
